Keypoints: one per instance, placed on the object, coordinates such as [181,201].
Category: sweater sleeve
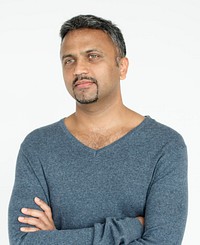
[29,184]
[167,200]
[165,210]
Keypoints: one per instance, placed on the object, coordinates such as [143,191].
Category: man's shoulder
[163,132]
[43,134]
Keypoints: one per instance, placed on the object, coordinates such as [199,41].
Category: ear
[123,67]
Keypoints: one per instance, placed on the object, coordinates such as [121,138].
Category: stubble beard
[84,96]
[83,100]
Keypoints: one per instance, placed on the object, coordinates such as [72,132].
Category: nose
[80,68]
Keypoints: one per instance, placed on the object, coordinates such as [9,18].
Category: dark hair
[94,22]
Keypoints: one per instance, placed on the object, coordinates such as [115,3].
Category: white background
[163,43]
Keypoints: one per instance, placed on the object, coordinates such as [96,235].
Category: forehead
[84,39]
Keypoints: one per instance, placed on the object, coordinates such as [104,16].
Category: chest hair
[98,140]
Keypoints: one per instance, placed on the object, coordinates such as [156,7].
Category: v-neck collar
[94,151]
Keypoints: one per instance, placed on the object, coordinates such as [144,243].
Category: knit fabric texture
[96,195]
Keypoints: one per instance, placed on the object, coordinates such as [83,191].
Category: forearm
[113,231]
[56,237]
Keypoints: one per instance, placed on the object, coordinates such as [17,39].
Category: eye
[93,56]
[69,61]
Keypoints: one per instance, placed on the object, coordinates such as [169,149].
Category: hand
[141,219]
[41,220]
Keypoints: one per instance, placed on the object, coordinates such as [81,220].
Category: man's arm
[28,185]
[42,219]
[165,211]
[167,199]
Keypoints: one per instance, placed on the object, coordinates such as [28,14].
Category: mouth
[84,82]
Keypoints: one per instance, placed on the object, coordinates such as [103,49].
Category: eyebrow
[66,56]
[87,52]
[93,50]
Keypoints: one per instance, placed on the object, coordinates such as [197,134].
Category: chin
[86,102]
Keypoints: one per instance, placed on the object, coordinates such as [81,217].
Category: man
[105,174]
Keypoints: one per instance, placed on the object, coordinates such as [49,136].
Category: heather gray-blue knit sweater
[96,195]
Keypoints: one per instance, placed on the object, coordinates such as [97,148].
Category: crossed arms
[42,219]
[165,211]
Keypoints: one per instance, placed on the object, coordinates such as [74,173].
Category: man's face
[89,62]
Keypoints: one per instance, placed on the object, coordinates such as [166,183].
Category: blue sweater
[96,195]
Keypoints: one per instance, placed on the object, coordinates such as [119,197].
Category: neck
[99,116]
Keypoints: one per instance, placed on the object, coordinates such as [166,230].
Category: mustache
[79,78]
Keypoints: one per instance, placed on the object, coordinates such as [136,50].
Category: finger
[40,215]
[29,229]
[33,221]
[32,212]
[43,206]
[141,219]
